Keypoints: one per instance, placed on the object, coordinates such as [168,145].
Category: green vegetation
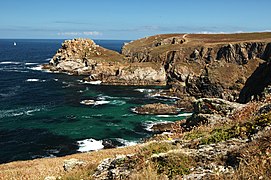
[174,164]
[223,133]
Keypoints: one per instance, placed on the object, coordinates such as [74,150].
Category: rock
[114,168]
[211,111]
[266,108]
[215,106]
[84,57]
[162,127]
[108,144]
[157,109]
[72,164]
[257,85]
[186,103]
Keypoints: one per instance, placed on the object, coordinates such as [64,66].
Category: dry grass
[40,168]
[214,38]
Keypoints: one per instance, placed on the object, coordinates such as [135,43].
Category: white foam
[48,59]
[178,115]
[32,80]
[89,145]
[134,110]
[158,95]
[185,114]
[29,63]
[55,79]
[10,62]
[35,80]
[19,112]
[29,112]
[88,102]
[144,90]
[101,102]
[128,115]
[164,115]
[126,142]
[93,102]
[93,82]
[37,68]
[118,102]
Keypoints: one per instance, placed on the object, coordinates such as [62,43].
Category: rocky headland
[223,78]
[193,65]
[84,57]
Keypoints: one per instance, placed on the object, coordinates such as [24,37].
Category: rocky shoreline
[210,75]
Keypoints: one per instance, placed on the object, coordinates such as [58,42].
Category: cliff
[203,65]
[84,57]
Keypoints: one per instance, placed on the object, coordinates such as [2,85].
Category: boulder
[157,109]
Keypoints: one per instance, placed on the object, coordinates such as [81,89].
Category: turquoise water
[41,114]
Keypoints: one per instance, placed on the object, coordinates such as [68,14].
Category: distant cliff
[194,65]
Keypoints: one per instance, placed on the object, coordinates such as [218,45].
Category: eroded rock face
[194,65]
[204,65]
[84,57]
[257,85]
[157,109]
[211,111]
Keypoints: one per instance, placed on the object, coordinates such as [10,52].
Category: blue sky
[125,19]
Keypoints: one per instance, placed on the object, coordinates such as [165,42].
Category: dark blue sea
[41,114]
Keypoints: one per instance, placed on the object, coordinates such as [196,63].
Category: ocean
[41,114]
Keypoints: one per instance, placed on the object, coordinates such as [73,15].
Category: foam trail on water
[30,63]
[35,80]
[10,62]
[178,115]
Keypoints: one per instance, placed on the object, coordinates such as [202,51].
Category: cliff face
[84,57]
[195,65]
[257,85]
[204,65]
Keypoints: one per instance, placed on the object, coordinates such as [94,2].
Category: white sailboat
[14,44]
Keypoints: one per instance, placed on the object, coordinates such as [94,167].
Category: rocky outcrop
[157,109]
[204,65]
[211,111]
[114,168]
[84,57]
[194,65]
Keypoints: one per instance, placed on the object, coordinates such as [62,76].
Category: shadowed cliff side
[257,85]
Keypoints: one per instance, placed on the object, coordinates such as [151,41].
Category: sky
[129,19]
